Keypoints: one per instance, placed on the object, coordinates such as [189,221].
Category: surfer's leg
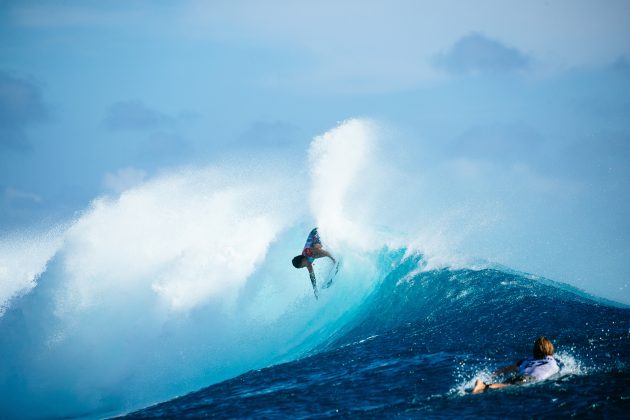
[316,239]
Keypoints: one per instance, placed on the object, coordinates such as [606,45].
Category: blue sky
[522,103]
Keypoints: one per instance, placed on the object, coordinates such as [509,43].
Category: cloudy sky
[524,104]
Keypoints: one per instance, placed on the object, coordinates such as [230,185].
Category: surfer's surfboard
[332,274]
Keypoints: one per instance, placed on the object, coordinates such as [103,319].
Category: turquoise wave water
[415,345]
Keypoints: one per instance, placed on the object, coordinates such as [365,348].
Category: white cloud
[21,105]
[372,45]
[134,115]
[13,194]
[123,179]
[478,54]
[391,44]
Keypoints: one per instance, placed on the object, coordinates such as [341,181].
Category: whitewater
[182,286]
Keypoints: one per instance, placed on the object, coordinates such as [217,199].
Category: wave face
[185,281]
[182,281]
[418,342]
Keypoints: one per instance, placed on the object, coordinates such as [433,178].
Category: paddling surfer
[537,368]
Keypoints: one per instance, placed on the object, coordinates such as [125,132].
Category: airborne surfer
[312,250]
[537,368]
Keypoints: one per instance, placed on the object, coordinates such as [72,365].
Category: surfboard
[332,274]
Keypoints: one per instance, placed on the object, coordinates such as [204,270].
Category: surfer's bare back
[312,250]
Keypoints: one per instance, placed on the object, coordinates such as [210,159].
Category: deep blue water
[415,346]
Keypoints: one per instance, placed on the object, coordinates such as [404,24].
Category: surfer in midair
[312,250]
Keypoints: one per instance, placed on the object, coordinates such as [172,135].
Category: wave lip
[23,259]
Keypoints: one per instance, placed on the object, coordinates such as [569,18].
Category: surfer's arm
[311,274]
[507,369]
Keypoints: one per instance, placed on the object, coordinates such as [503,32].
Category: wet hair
[542,348]
[297,261]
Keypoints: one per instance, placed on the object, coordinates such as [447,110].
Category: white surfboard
[332,274]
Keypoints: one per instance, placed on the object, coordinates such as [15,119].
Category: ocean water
[177,298]
[416,344]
